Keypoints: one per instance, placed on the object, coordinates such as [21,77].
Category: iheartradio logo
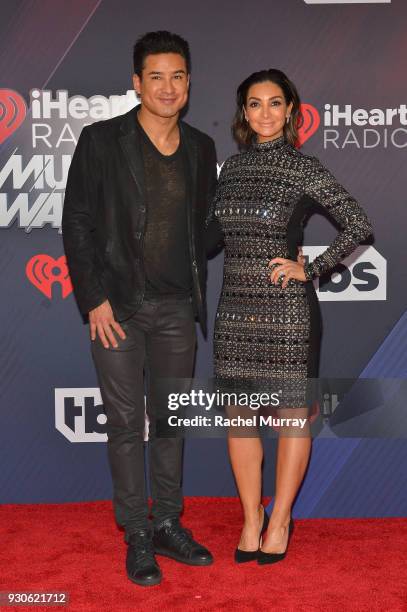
[308,123]
[13,110]
[347,1]
[43,271]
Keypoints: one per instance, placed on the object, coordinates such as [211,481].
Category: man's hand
[102,321]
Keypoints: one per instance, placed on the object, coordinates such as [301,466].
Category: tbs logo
[80,417]
[359,277]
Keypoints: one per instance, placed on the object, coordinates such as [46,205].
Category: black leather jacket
[104,214]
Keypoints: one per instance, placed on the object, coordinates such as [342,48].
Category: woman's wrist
[309,271]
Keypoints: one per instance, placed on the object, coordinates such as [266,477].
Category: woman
[268,323]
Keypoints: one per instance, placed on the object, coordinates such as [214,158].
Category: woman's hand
[287,269]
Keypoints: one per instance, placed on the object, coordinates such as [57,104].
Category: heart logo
[308,123]
[43,271]
[13,110]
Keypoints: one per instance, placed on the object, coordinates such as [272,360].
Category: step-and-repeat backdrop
[65,65]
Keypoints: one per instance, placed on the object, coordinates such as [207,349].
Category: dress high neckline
[276,143]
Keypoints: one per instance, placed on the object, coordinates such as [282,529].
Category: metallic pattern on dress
[262,331]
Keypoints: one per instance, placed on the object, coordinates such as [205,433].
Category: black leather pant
[161,341]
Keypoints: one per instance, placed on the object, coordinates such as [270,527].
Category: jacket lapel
[191,166]
[131,146]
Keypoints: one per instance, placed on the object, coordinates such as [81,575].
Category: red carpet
[332,564]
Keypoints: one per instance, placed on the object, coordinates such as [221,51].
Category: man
[136,228]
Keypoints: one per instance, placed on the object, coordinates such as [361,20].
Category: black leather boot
[141,565]
[172,540]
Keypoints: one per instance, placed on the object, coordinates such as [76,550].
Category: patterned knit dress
[263,332]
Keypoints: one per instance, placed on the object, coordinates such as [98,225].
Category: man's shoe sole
[152,582]
[170,555]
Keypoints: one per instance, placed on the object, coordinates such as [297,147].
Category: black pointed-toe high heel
[264,558]
[243,556]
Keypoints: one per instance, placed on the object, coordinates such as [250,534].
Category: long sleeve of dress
[213,231]
[322,187]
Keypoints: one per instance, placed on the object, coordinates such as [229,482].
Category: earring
[287,119]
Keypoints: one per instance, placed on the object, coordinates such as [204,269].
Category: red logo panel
[308,123]
[13,110]
[43,271]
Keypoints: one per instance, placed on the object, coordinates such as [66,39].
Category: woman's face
[266,110]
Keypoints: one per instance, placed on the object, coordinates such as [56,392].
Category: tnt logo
[80,416]
[359,277]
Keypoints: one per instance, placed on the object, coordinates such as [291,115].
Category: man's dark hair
[162,41]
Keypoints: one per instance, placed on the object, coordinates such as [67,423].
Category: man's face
[164,84]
